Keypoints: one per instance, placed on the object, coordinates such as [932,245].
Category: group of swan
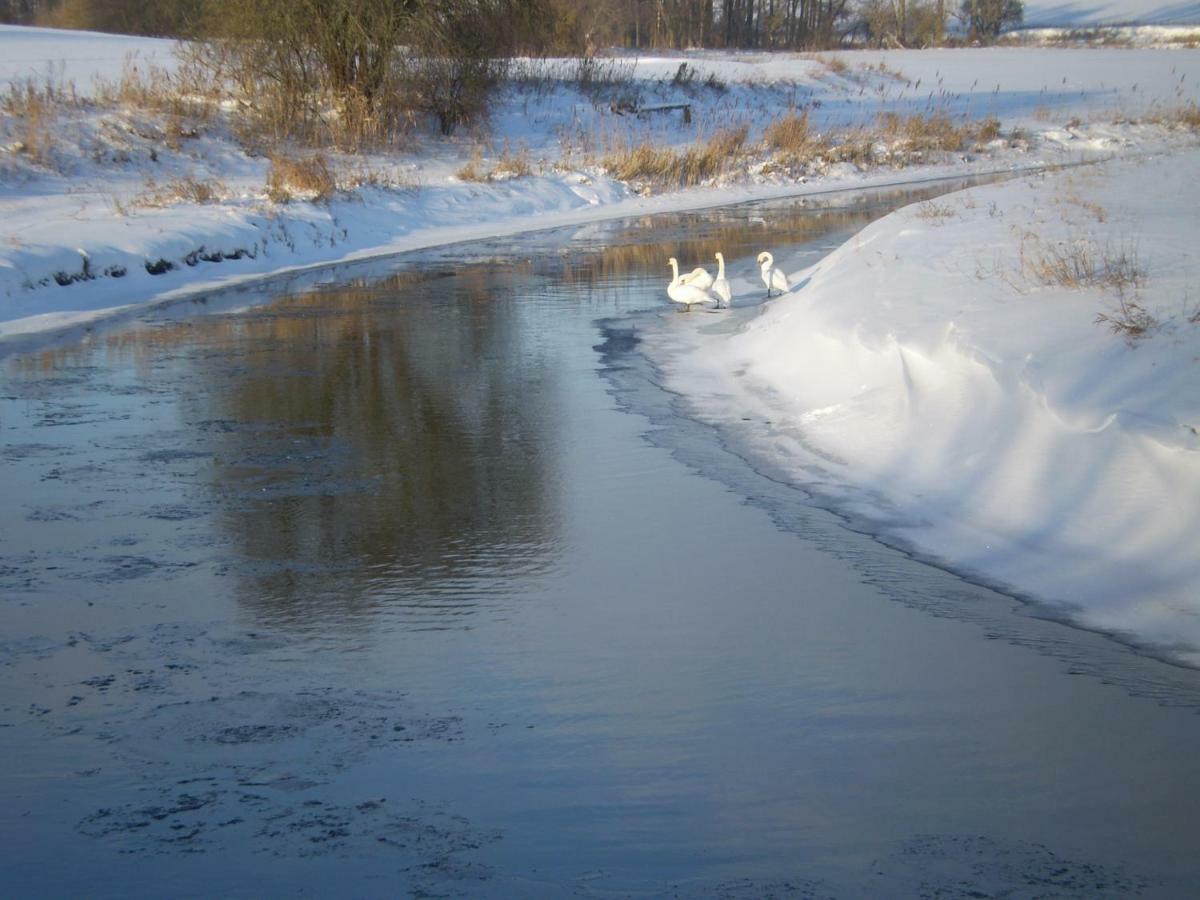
[700,287]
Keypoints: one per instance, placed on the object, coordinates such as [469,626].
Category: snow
[1113,12]
[924,380]
[918,377]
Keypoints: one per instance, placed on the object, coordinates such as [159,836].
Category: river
[406,579]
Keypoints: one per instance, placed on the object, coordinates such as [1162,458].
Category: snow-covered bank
[104,205]
[936,376]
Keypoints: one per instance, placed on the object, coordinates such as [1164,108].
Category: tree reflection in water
[390,443]
[394,444]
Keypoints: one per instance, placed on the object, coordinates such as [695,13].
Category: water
[410,580]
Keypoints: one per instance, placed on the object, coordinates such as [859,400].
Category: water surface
[411,580]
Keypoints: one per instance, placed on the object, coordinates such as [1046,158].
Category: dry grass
[31,109]
[918,133]
[509,164]
[665,166]
[834,64]
[1095,210]
[184,94]
[1129,319]
[793,140]
[308,176]
[179,190]
[1078,263]
[473,169]
[855,145]
[1187,116]
[935,212]
[987,129]
[514,164]
[896,138]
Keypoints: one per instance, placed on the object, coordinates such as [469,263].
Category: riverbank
[109,203]
[1005,380]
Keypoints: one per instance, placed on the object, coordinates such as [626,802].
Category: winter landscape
[352,524]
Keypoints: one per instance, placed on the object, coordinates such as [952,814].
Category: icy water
[409,580]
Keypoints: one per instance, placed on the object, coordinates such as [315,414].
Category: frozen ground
[943,376]
[95,206]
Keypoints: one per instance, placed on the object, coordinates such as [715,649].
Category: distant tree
[985,19]
[17,12]
[878,22]
[167,18]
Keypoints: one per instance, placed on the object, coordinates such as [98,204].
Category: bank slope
[1007,378]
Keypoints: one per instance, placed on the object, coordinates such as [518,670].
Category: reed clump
[665,166]
[310,176]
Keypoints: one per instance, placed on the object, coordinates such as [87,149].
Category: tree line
[568,26]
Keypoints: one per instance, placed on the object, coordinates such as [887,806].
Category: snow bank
[924,377]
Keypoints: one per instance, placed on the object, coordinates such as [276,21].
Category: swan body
[699,277]
[684,293]
[772,277]
[720,285]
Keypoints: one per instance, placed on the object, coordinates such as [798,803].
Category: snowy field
[938,375]
[1053,13]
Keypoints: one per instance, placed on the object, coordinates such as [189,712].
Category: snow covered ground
[923,376]
[943,377]
[104,205]
[1076,14]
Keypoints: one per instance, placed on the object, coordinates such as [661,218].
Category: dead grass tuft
[33,107]
[514,164]
[509,164]
[290,176]
[186,190]
[935,212]
[473,169]
[1130,319]
[834,64]
[665,166]
[922,133]
[1078,263]
[793,140]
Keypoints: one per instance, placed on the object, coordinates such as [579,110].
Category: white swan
[721,286]
[772,277]
[699,277]
[684,293]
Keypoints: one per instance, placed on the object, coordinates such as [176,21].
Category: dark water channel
[409,581]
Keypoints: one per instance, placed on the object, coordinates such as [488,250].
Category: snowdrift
[931,376]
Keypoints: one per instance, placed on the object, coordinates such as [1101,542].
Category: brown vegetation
[665,166]
[1078,263]
[289,176]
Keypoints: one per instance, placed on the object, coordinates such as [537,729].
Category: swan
[699,277]
[772,277]
[682,292]
[720,285]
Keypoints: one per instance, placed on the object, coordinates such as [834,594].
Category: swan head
[766,258]
[673,263]
[718,256]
